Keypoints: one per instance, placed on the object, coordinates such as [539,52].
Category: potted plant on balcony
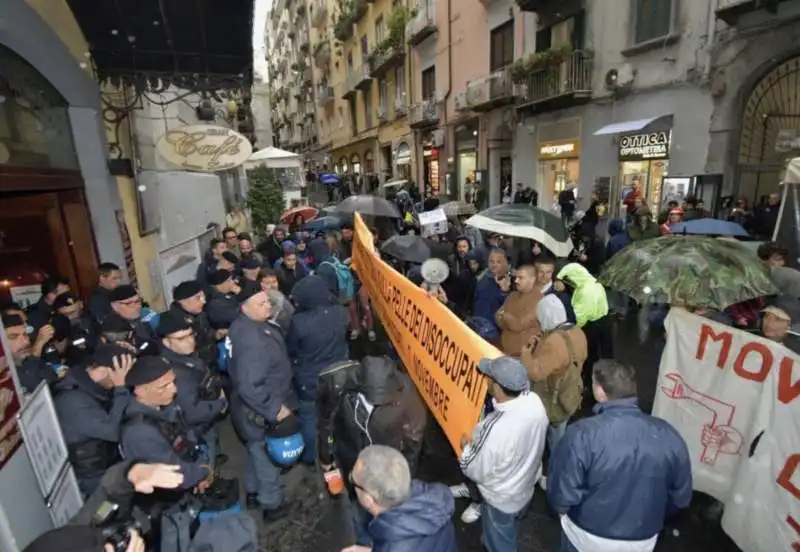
[522,68]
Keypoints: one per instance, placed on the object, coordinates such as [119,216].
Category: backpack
[565,390]
[344,276]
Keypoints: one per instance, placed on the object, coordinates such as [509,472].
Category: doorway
[506,187]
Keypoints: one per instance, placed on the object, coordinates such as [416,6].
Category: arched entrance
[769,130]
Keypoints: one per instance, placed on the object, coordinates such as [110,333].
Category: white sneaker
[543,482]
[354,334]
[472,513]
[371,335]
[459,491]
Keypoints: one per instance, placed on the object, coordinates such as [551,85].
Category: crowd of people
[263,333]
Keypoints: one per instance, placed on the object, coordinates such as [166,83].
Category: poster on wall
[44,442]
[10,437]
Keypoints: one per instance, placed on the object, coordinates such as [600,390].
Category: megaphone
[434,272]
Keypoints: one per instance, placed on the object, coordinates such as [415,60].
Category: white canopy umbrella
[274,158]
[792,175]
[396,183]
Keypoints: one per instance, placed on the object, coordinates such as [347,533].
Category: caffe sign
[204,148]
[638,147]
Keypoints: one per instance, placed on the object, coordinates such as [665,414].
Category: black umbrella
[414,249]
[369,205]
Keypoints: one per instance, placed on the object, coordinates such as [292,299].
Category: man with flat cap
[200,395]
[188,301]
[153,428]
[90,402]
[126,302]
[222,307]
[250,268]
[31,369]
[261,377]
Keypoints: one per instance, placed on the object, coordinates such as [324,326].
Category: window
[364,49]
[429,83]
[368,109]
[501,46]
[349,63]
[400,83]
[567,32]
[351,103]
[341,117]
[383,93]
[652,19]
[379,30]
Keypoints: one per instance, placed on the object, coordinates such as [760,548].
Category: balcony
[422,24]
[322,55]
[383,114]
[490,91]
[319,14]
[400,107]
[540,6]
[324,95]
[425,113]
[302,40]
[553,80]
[359,79]
[386,57]
[731,10]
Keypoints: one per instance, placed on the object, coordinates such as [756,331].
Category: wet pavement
[321,524]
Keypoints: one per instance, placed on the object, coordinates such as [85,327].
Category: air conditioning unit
[461,101]
[620,78]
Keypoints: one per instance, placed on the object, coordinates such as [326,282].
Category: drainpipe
[710,28]
[449,85]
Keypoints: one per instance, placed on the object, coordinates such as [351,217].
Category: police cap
[146,369]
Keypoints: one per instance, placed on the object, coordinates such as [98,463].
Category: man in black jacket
[31,370]
[110,277]
[90,402]
[188,301]
[126,302]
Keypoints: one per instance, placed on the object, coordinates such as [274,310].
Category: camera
[117,532]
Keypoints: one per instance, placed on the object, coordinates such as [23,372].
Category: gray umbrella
[787,280]
[369,205]
[524,221]
[414,249]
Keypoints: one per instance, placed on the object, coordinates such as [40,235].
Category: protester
[545,280]
[491,291]
[517,317]
[618,240]
[642,226]
[406,514]
[615,477]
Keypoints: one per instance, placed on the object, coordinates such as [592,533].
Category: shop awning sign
[638,147]
[204,148]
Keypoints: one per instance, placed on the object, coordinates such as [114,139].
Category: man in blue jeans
[504,453]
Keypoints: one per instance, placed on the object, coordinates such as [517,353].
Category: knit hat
[186,290]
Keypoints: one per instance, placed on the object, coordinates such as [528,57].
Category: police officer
[261,376]
[153,429]
[222,307]
[126,302]
[200,395]
[250,268]
[188,302]
[90,402]
[83,329]
[31,370]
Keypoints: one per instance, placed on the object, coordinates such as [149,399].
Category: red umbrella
[306,213]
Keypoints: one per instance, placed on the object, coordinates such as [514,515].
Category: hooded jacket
[420,524]
[588,298]
[517,320]
[321,253]
[638,233]
[619,239]
[318,334]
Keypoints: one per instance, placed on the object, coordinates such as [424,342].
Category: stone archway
[769,129]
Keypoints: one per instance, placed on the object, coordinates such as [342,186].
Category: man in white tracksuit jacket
[504,454]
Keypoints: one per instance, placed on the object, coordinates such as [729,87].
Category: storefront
[559,168]
[430,168]
[643,164]
[355,164]
[402,160]
[466,138]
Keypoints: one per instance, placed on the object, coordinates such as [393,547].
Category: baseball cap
[507,371]
[778,313]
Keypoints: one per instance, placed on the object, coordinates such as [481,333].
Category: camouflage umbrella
[695,271]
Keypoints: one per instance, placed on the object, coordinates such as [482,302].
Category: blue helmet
[284,442]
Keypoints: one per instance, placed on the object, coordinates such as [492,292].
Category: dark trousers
[600,340]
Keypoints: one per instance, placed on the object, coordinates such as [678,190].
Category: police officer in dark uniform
[189,299]
[90,402]
[222,307]
[126,302]
[263,395]
[153,428]
[31,370]
[83,329]
[200,395]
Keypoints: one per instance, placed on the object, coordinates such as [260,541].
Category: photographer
[200,395]
[31,369]
[90,402]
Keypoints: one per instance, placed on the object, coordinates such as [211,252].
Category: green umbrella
[695,271]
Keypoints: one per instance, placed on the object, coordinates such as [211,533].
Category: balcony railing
[490,91]
[387,58]
[400,107]
[425,113]
[319,13]
[324,95]
[423,24]
[359,78]
[538,6]
[730,10]
[570,79]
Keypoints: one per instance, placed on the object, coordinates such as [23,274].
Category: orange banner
[439,351]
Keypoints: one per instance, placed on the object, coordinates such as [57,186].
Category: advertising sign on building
[638,147]
[564,149]
[204,148]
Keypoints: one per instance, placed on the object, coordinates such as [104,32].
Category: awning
[179,40]
[403,154]
[628,126]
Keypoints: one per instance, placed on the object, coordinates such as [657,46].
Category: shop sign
[637,147]
[204,148]
[559,150]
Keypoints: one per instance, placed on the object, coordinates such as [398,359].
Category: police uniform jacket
[190,374]
[205,344]
[221,309]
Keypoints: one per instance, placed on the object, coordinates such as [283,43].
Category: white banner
[733,396]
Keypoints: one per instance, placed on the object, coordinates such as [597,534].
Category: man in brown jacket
[517,317]
[554,360]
